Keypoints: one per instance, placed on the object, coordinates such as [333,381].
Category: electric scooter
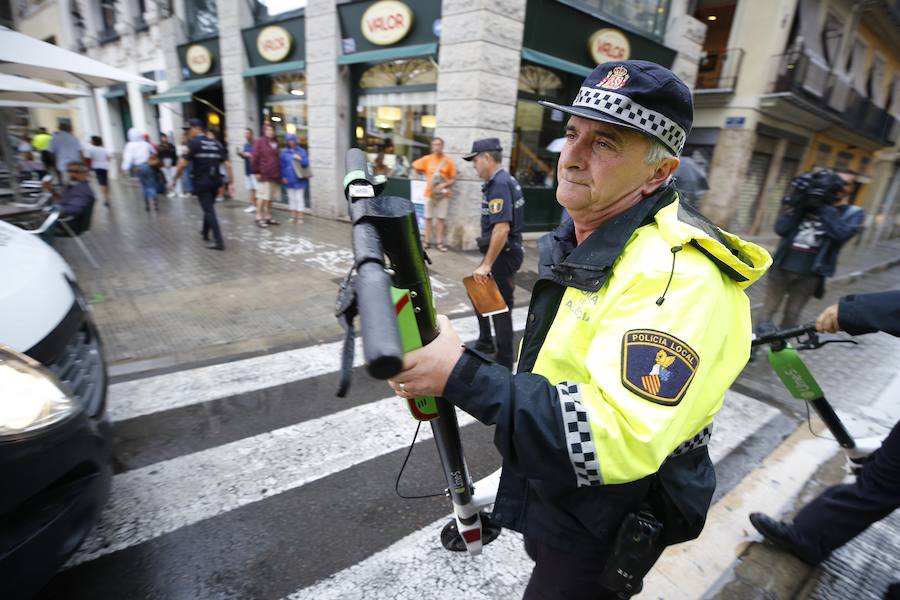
[390,289]
[792,371]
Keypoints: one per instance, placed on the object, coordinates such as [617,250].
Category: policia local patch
[657,366]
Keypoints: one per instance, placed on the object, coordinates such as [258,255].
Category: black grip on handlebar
[783,334]
[382,348]
[355,161]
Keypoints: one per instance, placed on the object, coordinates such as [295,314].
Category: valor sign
[609,44]
[274,43]
[198,59]
[386,22]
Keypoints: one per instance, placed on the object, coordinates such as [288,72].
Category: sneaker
[250,209]
[215,247]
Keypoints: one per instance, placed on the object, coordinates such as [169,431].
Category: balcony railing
[810,79]
[719,70]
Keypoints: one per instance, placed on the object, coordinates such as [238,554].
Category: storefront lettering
[274,43]
[386,22]
[609,44]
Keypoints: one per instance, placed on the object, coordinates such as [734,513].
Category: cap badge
[614,79]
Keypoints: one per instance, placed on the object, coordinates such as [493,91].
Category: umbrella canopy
[24,55]
[19,89]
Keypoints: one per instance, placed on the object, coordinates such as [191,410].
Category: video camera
[815,189]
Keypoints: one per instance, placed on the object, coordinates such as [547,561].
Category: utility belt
[658,523]
[484,243]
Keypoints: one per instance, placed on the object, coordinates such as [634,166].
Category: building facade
[383,75]
[793,85]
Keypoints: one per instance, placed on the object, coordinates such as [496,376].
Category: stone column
[170,36]
[481,45]
[685,34]
[240,106]
[730,161]
[328,98]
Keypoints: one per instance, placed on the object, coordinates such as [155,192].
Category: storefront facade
[389,75]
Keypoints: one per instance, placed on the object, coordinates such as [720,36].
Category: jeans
[147,177]
[794,289]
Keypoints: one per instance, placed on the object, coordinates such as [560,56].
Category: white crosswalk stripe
[502,571]
[160,498]
[131,399]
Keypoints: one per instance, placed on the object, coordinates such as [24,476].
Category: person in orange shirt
[440,174]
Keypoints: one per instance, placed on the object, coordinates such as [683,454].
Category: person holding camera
[815,222]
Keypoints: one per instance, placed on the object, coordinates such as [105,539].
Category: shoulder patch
[657,366]
[495,205]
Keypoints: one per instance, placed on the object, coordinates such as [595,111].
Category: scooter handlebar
[783,334]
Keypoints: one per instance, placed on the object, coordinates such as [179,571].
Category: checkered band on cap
[698,441]
[579,439]
[622,107]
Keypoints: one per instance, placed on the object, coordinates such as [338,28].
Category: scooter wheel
[452,541]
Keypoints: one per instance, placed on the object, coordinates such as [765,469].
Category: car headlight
[30,396]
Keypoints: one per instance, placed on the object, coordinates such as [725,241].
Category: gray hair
[657,152]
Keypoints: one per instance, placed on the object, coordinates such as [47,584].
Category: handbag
[299,170]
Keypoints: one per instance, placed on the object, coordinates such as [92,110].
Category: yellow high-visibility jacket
[631,341]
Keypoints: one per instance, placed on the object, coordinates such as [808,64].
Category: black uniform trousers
[504,273]
[207,197]
[842,512]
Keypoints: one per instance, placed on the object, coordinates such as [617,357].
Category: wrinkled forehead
[618,133]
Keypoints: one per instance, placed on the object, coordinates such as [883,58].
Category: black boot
[780,534]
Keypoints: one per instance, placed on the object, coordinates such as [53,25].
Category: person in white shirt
[99,161]
[136,155]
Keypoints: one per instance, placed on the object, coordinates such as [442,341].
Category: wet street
[240,475]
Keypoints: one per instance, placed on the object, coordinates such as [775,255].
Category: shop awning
[146,89]
[291,65]
[184,90]
[555,63]
[115,91]
[373,56]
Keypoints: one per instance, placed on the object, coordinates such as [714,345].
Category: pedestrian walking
[265,162]
[502,218]
[206,156]
[815,222]
[626,357]
[65,147]
[136,160]
[842,512]
[183,185]
[294,176]
[440,175]
[168,154]
[99,162]
[246,153]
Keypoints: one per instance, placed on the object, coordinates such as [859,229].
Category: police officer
[502,214]
[206,156]
[638,324]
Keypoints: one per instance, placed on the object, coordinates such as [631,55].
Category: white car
[55,450]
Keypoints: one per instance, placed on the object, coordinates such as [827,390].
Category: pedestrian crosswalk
[305,509]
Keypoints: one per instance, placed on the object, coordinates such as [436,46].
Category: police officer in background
[206,156]
[638,325]
[502,214]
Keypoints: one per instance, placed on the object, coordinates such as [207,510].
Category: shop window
[538,130]
[647,16]
[202,18]
[399,73]
[285,105]
[108,21]
[823,156]
[265,10]
[396,113]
